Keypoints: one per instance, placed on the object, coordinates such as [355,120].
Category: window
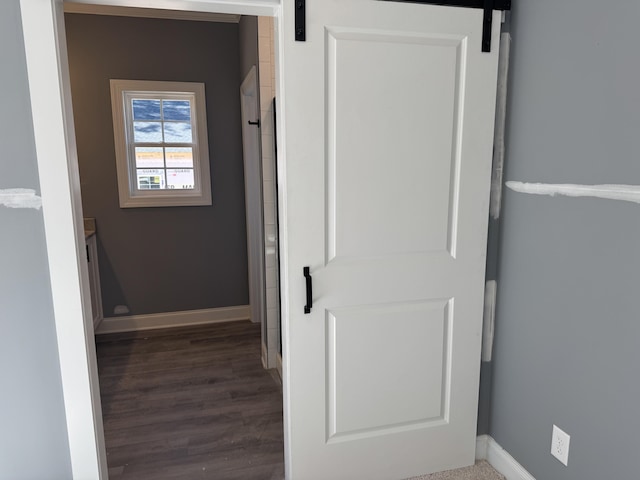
[162,152]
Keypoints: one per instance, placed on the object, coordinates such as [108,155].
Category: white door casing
[50,94]
[52,114]
[250,112]
[388,116]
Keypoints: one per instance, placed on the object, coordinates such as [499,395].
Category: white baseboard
[279,364]
[186,318]
[264,356]
[482,443]
[488,449]
[96,322]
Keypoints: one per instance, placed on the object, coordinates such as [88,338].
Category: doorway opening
[113,308]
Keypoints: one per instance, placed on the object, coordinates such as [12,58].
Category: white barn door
[388,115]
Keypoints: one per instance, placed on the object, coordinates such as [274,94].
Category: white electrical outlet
[560,445]
[120,310]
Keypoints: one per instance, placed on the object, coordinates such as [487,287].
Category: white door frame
[250,112]
[49,85]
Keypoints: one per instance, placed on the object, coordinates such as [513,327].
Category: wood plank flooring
[190,403]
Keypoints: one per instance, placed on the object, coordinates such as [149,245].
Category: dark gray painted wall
[567,330]
[161,259]
[248,31]
[33,435]
[484,398]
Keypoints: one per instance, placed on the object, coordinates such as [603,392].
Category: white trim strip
[186,318]
[625,193]
[20,198]
[234,7]
[488,449]
[498,132]
[149,13]
[488,320]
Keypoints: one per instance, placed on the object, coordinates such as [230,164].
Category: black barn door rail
[497,4]
[301,20]
[488,6]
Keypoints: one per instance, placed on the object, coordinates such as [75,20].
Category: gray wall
[33,435]
[248,35]
[161,259]
[567,329]
[567,333]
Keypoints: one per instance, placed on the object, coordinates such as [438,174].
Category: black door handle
[307,276]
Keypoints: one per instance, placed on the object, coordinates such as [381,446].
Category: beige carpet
[480,471]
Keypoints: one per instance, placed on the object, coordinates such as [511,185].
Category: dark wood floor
[190,403]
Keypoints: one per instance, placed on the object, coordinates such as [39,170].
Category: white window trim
[130,196]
